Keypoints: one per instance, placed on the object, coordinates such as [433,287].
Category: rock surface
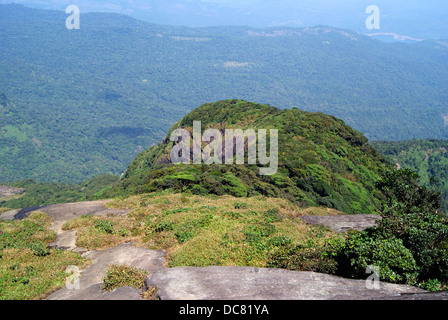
[68,211]
[248,283]
[9,215]
[91,278]
[343,223]
[211,283]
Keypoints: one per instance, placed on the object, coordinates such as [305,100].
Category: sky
[414,18]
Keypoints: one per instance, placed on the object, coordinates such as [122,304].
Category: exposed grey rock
[68,211]
[438,295]
[65,239]
[9,215]
[248,283]
[94,292]
[343,223]
[91,277]
[122,293]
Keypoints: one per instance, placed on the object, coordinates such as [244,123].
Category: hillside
[87,101]
[429,158]
[321,160]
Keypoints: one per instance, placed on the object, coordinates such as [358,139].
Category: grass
[96,232]
[123,275]
[211,230]
[194,231]
[29,270]
[126,276]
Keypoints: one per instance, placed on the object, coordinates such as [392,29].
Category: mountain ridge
[322,161]
[94,97]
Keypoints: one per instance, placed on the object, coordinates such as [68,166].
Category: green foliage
[395,262]
[121,83]
[402,189]
[123,275]
[29,234]
[428,158]
[240,205]
[38,194]
[303,257]
[410,242]
[312,168]
[29,269]
[106,226]
[233,186]
[189,228]
[272,215]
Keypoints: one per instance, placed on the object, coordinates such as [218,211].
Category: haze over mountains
[78,103]
[417,19]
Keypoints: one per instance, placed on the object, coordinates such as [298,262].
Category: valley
[84,102]
[154,161]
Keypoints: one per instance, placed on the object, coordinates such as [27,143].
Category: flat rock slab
[68,211]
[248,283]
[65,211]
[91,278]
[9,215]
[343,223]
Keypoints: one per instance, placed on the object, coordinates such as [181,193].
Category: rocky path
[91,278]
[211,283]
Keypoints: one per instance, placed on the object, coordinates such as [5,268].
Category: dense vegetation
[321,161]
[79,103]
[409,245]
[36,194]
[428,158]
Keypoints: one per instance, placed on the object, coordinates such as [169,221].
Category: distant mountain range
[416,19]
[79,103]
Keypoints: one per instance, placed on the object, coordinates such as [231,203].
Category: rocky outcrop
[90,279]
[343,223]
[213,283]
[247,283]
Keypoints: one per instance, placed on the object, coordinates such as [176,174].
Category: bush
[105,226]
[271,215]
[426,235]
[240,205]
[233,185]
[120,276]
[304,257]
[39,249]
[410,242]
[396,263]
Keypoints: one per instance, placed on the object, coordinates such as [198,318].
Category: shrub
[271,215]
[120,276]
[240,205]
[39,249]
[303,257]
[396,263]
[233,185]
[105,226]
[164,226]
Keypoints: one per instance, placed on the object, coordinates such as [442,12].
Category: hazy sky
[415,18]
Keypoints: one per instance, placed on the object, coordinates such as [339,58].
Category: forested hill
[90,100]
[429,158]
[321,161]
